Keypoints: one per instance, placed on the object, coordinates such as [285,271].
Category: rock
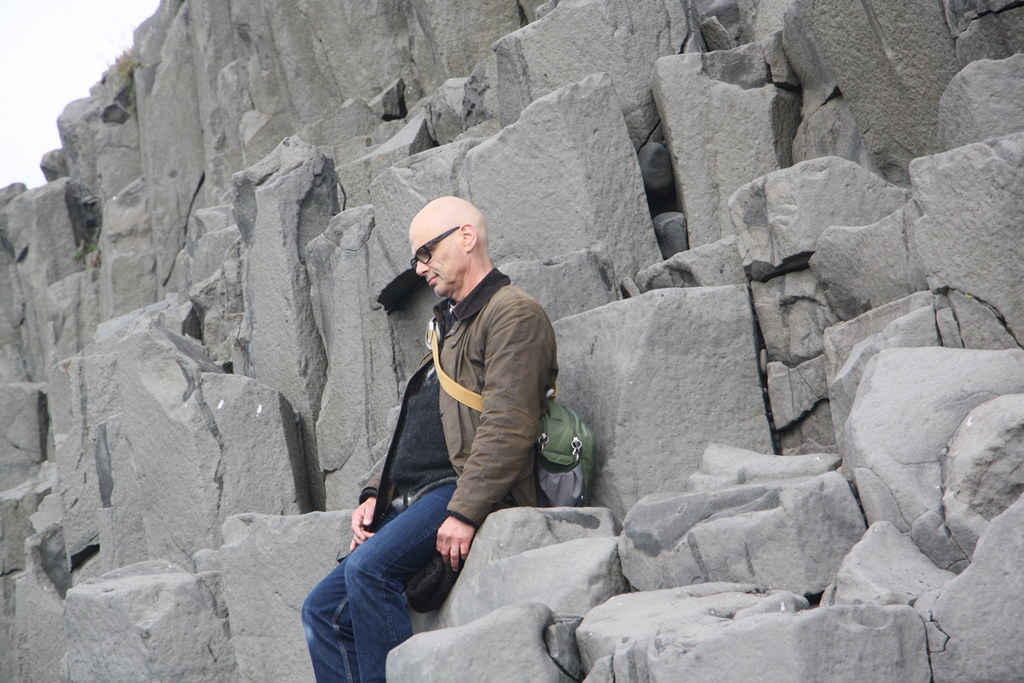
[355,177]
[398,194]
[831,131]
[584,178]
[780,216]
[335,131]
[985,100]
[174,155]
[446,116]
[788,647]
[788,536]
[582,37]
[624,381]
[73,309]
[813,432]
[269,564]
[725,124]
[217,294]
[716,36]
[712,265]
[670,229]
[884,568]
[23,427]
[622,628]
[235,445]
[8,653]
[892,62]
[800,44]
[480,101]
[993,35]
[389,103]
[42,235]
[507,645]
[358,345]
[18,504]
[839,339]
[54,165]
[539,576]
[978,325]
[149,621]
[794,392]
[100,156]
[969,191]
[589,272]
[906,407]
[980,468]
[974,616]
[913,330]
[457,36]
[128,270]
[793,315]
[39,637]
[869,266]
[283,349]
[512,531]
[659,184]
[724,466]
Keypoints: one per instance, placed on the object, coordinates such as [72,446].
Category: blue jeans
[357,613]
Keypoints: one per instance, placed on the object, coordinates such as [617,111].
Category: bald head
[459,260]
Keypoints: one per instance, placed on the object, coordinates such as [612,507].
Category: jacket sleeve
[519,353]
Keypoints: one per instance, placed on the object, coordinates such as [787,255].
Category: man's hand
[453,540]
[361,519]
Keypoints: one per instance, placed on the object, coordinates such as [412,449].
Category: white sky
[52,52]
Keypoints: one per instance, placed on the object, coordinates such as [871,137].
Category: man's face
[447,262]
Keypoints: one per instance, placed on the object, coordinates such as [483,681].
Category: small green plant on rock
[124,69]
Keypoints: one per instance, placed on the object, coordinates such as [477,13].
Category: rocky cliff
[781,241]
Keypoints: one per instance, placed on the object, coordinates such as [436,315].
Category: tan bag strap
[453,388]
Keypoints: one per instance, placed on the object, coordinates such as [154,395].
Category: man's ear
[470,238]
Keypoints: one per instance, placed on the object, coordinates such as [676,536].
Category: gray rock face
[869,266]
[779,217]
[73,309]
[788,647]
[977,324]
[980,468]
[712,265]
[892,63]
[36,221]
[639,394]
[884,568]
[974,615]
[566,285]
[39,618]
[830,131]
[357,342]
[794,392]
[793,315]
[622,39]
[985,100]
[985,266]
[279,339]
[913,330]
[725,123]
[23,427]
[584,178]
[178,447]
[458,35]
[128,270]
[217,294]
[787,536]
[723,467]
[985,30]
[512,531]
[18,504]
[355,177]
[507,645]
[906,407]
[173,152]
[269,564]
[147,622]
[537,575]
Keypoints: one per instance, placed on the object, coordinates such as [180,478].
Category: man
[448,466]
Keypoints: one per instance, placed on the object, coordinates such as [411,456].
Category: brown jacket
[502,346]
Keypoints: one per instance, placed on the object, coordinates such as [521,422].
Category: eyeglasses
[423,253]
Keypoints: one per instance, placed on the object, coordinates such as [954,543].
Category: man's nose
[421,268]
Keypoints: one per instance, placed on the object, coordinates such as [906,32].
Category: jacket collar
[451,313]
